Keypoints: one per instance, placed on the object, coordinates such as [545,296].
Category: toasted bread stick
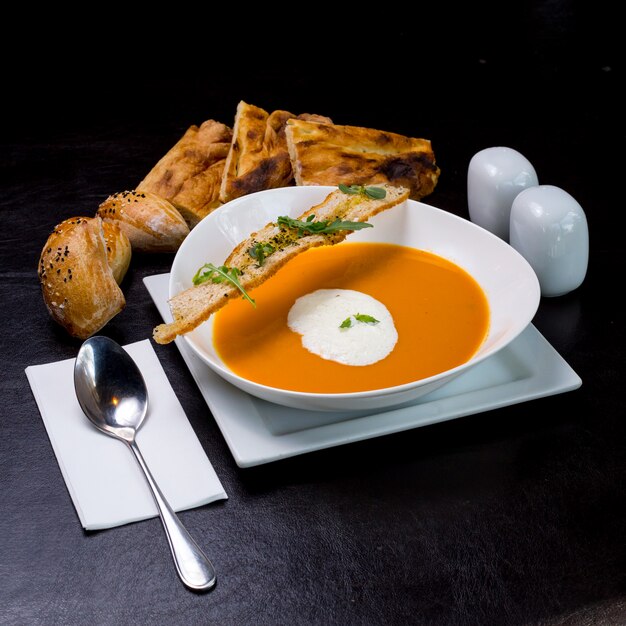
[195,305]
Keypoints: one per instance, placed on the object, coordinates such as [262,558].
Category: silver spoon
[112,393]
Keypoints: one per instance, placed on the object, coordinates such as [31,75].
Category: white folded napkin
[103,478]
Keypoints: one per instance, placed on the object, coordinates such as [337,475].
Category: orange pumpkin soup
[440,312]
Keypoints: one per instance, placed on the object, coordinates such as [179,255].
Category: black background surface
[514,516]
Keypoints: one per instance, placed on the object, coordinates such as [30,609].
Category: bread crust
[329,154]
[190,173]
[77,282]
[119,250]
[151,223]
[195,305]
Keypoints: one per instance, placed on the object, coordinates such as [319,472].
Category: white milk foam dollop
[317,316]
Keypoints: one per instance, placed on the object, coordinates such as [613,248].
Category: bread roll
[150,222]
[118,248]
[78,284]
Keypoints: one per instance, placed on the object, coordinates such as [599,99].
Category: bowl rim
[381,392]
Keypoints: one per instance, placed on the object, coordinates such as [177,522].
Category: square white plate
[259,432]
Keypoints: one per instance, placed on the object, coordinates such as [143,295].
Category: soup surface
[440,312]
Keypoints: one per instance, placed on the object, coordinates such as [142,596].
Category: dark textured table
[513,516]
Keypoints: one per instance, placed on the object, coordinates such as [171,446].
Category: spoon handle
[192,565]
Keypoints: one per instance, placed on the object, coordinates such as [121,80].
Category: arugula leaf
[366,319]
[309,227]
[376,193]
[359,317]
[351,189]
[260,252]
[347,323]
[338,225]
[220,274]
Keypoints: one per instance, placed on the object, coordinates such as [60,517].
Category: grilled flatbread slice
[190,174]
[246,148]
[275,140]
[258,157]
[327,154]
[195,305]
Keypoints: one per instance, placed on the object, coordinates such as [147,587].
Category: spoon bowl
[110,388]
[113,395]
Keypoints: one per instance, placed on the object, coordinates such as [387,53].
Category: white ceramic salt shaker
[494,177]
[549,229]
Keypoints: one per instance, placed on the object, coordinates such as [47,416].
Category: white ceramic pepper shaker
[549,229]
[494,177]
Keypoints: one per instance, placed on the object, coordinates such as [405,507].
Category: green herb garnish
[376,193]
[260,252]
[220,274]
[359,317]
[310,227]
